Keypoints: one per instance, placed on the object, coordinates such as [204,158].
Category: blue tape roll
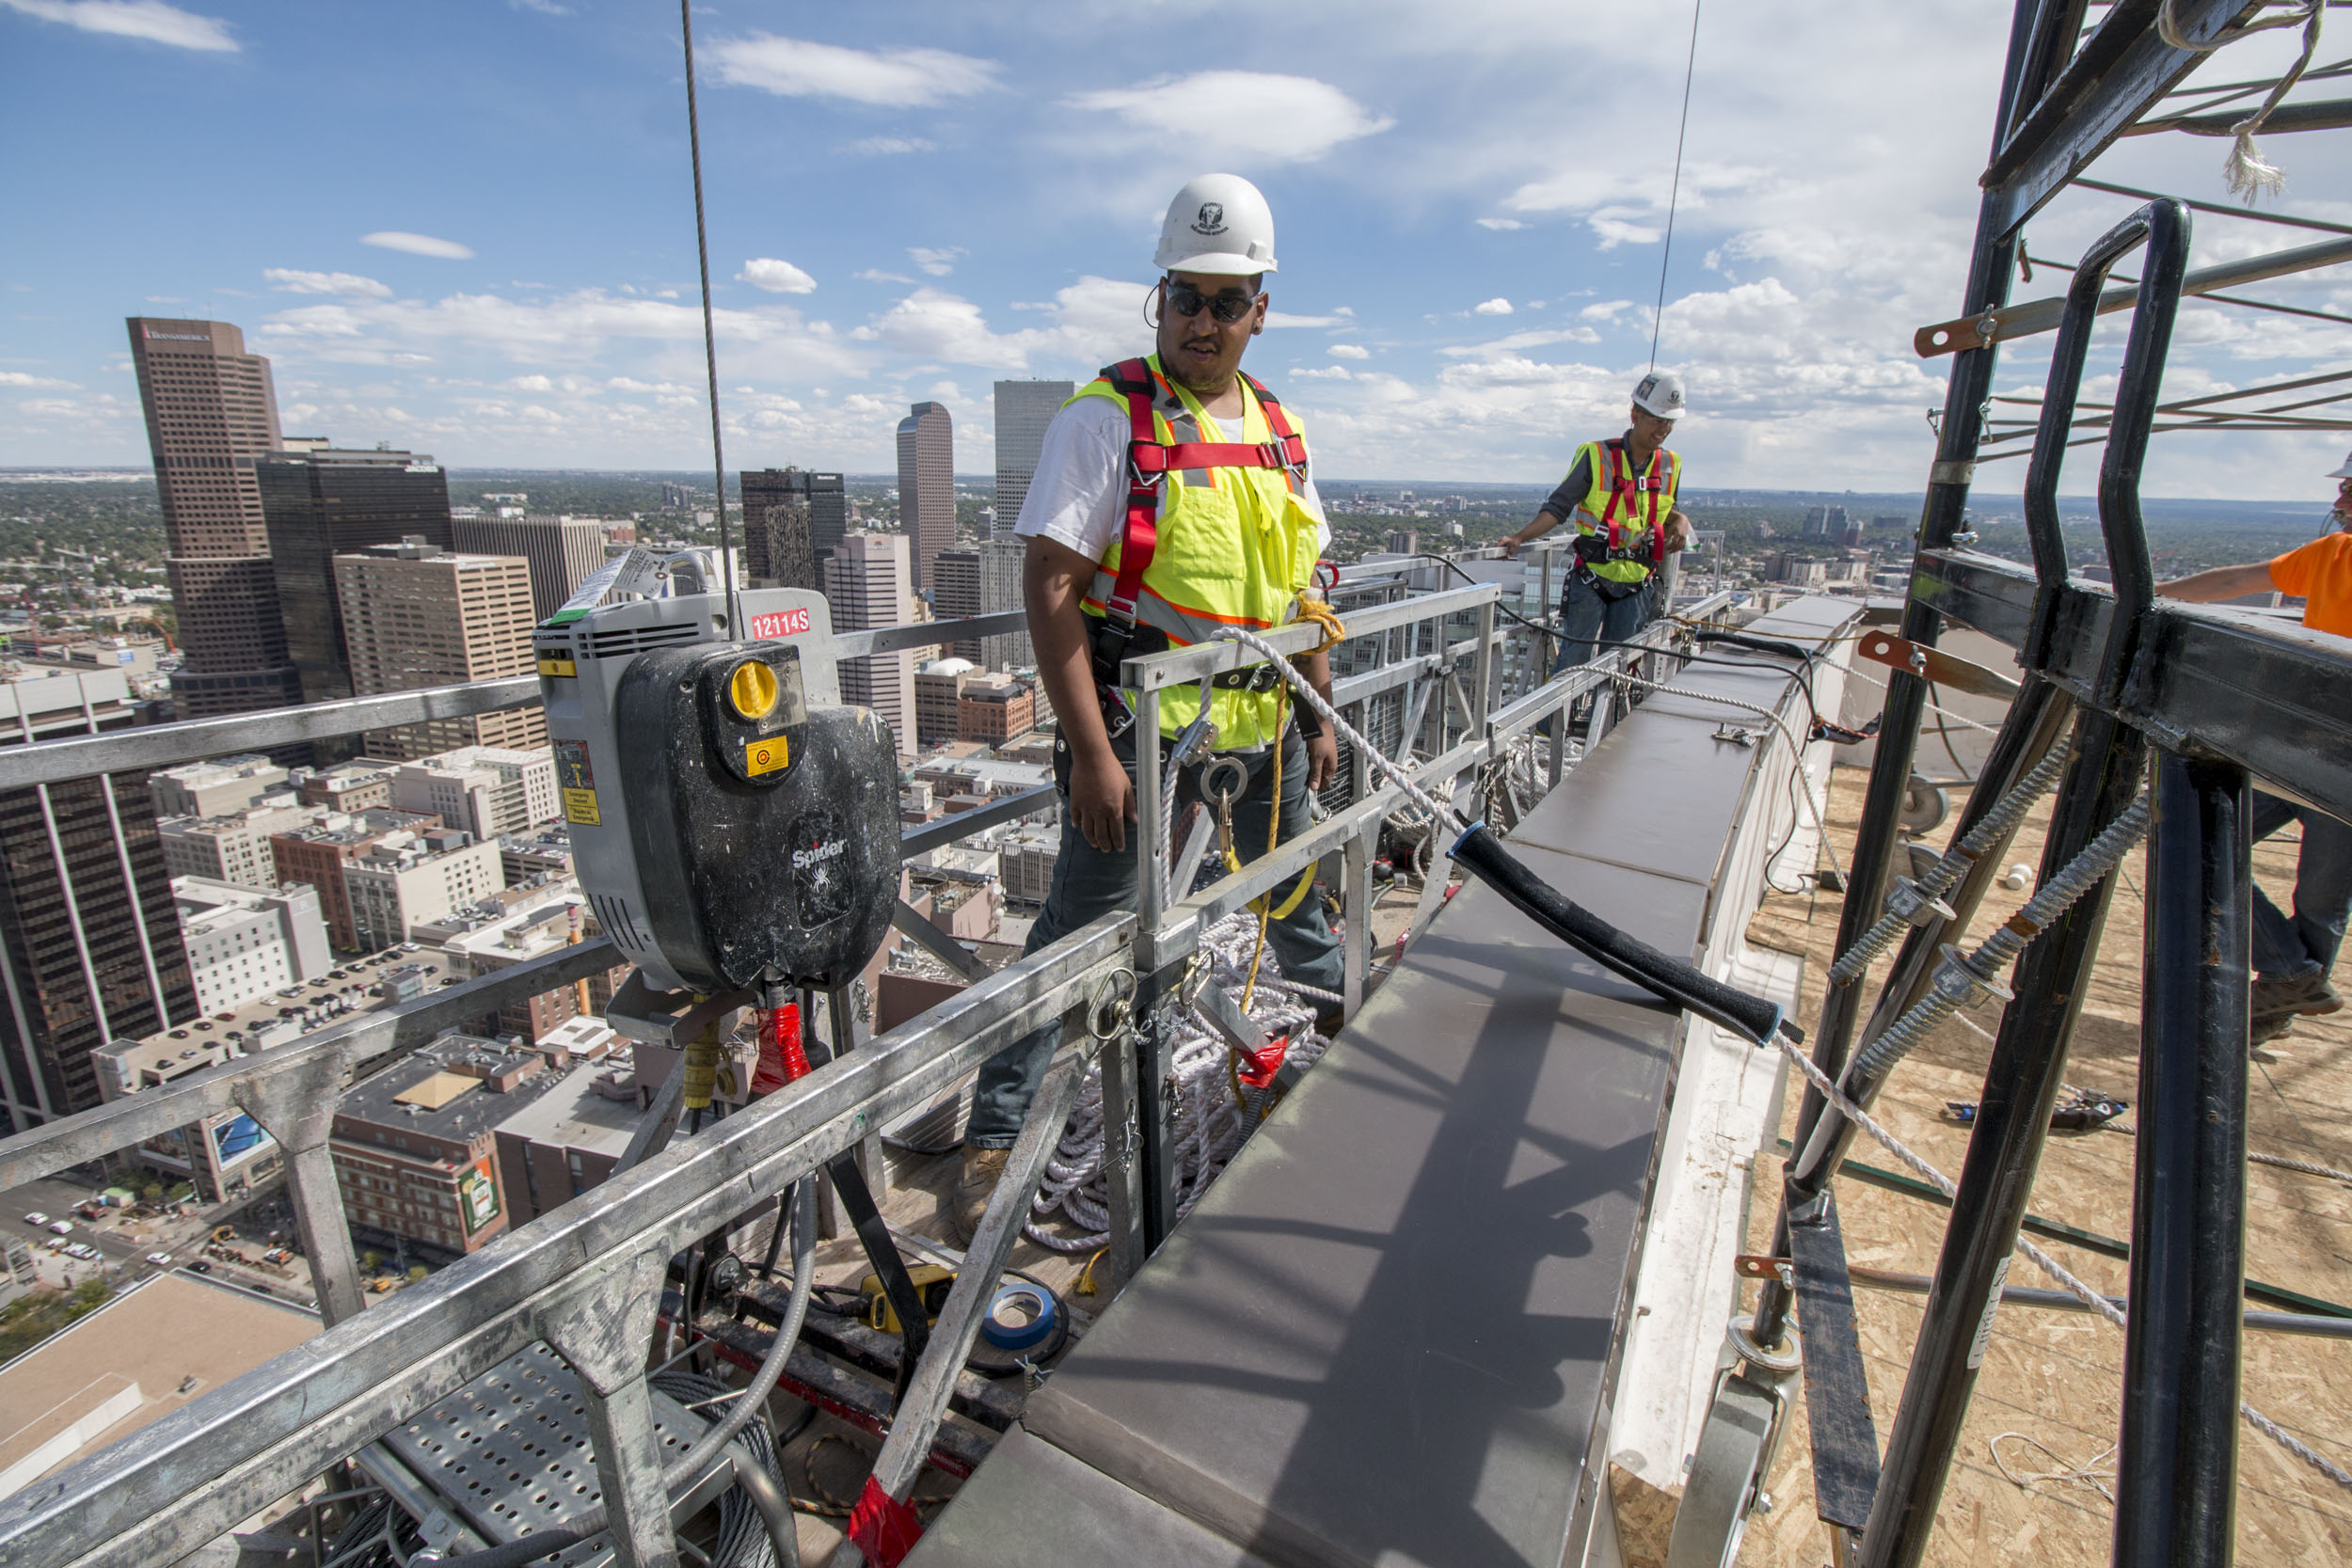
[1004,1335]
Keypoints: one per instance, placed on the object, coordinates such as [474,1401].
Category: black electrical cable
[1648,648]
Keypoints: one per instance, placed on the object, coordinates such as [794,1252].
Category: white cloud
[795,68]
[22,378]
[1608,310]
[1091,321]
[1328,372]
[1518,340]
[875,275]
[1284,318]
[938,262]
[777,277]
[885,147]
[418,245]
[151,20]
[1506,225]
[293,281]
[1349,351]
[1236,115]
[545,8]
[1496,307]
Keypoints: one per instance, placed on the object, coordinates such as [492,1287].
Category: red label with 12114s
[782,623]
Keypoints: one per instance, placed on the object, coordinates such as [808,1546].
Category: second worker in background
[1171,497]
[1620,493]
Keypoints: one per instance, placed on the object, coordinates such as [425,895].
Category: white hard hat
[2344,472]
[1661,393]
[1218,223]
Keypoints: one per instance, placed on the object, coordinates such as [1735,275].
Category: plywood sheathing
[2057,1377]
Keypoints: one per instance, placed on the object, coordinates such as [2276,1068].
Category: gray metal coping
[1389,1333]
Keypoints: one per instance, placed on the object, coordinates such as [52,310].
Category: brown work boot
[2305,995]
[975,1185]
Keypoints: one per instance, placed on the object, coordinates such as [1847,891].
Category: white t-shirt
[1079,496]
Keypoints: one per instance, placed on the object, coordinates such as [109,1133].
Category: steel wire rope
[2040,1259]
[1674,194]
[710,338]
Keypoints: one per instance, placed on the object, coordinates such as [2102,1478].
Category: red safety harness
[1150,461]
[1626,489]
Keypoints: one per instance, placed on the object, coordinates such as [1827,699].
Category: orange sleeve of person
[2290,573]
[2320,574]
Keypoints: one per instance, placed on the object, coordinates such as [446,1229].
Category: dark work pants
[1586,615]
[2307,944]
[1089,883]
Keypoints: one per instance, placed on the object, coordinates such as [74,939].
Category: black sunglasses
[1185,300]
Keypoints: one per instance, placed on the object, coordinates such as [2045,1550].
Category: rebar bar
[1907,896]
[1963,976]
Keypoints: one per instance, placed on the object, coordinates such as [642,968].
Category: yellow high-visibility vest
[1236,546]
[1620,523]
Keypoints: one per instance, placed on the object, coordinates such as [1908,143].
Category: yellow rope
[1334,633]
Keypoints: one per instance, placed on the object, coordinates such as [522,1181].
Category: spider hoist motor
[730,821]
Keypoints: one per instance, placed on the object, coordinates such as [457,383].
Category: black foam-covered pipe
[1483,855]
[1759,645]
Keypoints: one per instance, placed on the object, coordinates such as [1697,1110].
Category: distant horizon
[88,472]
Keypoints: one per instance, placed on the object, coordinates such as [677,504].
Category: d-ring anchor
[1112,1004]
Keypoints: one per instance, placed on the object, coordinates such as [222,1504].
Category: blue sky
[467,228]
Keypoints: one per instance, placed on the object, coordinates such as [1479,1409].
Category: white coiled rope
[1209,1119]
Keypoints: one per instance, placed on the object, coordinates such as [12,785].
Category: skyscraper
[1000,591]
[415,616]
[211,415]
[785,510]
[89,938]
[562,551]
[956,595]
[1024,409]
[927,486]
[865,585]
[328,502]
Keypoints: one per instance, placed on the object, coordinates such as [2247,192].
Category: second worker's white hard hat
[1218,223]
[1661,393]
[2344,472]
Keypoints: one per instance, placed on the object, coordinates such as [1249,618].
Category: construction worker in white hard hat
[2292,956]
[1621,496]
[1171,497]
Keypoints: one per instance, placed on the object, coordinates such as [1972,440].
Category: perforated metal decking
[1390,1333]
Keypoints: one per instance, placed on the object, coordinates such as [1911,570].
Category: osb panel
[2054,1378]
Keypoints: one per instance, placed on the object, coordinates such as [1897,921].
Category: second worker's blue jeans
[1586,615]
[2307,944]
[1089,883]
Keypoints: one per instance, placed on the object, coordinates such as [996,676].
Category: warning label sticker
[766,756]
[577,782]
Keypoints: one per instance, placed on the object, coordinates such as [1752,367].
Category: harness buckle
[1140,477]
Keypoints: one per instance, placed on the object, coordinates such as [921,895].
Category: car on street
[82,1250]
[161,1259]
[200,1266]
[61,1227]
[36,1217]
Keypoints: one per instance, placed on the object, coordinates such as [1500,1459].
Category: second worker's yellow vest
[1635,504]
[1237,545]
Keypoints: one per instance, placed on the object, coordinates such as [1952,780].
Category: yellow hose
[701,1067]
